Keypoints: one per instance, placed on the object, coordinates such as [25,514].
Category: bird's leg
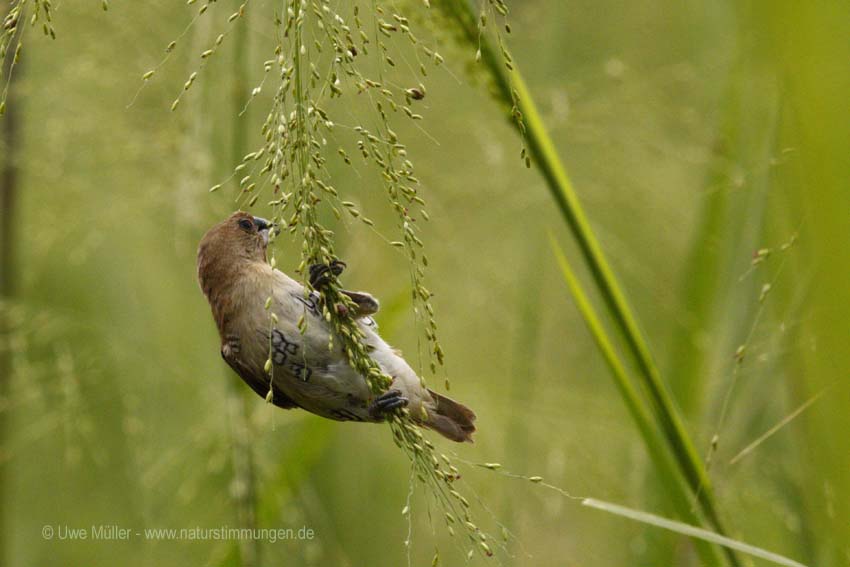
[320,273]
[386,403]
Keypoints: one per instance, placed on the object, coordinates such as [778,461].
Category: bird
[243,290]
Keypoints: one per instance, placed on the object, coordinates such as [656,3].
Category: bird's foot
[365,304]
[320,274]
[387,402]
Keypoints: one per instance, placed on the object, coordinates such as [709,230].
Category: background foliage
[696,134]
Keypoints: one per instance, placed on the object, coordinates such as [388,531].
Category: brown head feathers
[240,236]
[227,249]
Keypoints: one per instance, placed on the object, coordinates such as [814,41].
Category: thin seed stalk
[244,473]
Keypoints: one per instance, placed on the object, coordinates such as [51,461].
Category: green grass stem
[510,87]
[655,443]
[690,531]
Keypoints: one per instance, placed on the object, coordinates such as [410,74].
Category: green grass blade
[509,82]
[690,531]
[634,403]
[655,443]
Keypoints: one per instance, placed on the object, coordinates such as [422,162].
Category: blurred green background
[696,133]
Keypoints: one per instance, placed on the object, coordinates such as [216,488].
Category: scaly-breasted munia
[236,278]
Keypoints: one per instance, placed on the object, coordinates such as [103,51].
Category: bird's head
[239,238]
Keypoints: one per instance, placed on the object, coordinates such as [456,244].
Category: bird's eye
[245,224]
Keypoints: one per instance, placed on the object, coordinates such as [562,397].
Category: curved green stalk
[513,91]
[690,531]
[658,449]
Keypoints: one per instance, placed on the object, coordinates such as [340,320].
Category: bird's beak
[263,227]
[261,223]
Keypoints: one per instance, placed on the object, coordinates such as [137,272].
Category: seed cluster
[324,51]
[292,164]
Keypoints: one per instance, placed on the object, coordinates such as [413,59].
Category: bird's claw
[320,274]
[386,403]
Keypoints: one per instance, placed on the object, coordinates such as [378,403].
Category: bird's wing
[261,387]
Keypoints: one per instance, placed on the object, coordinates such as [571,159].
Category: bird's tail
[452,419]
